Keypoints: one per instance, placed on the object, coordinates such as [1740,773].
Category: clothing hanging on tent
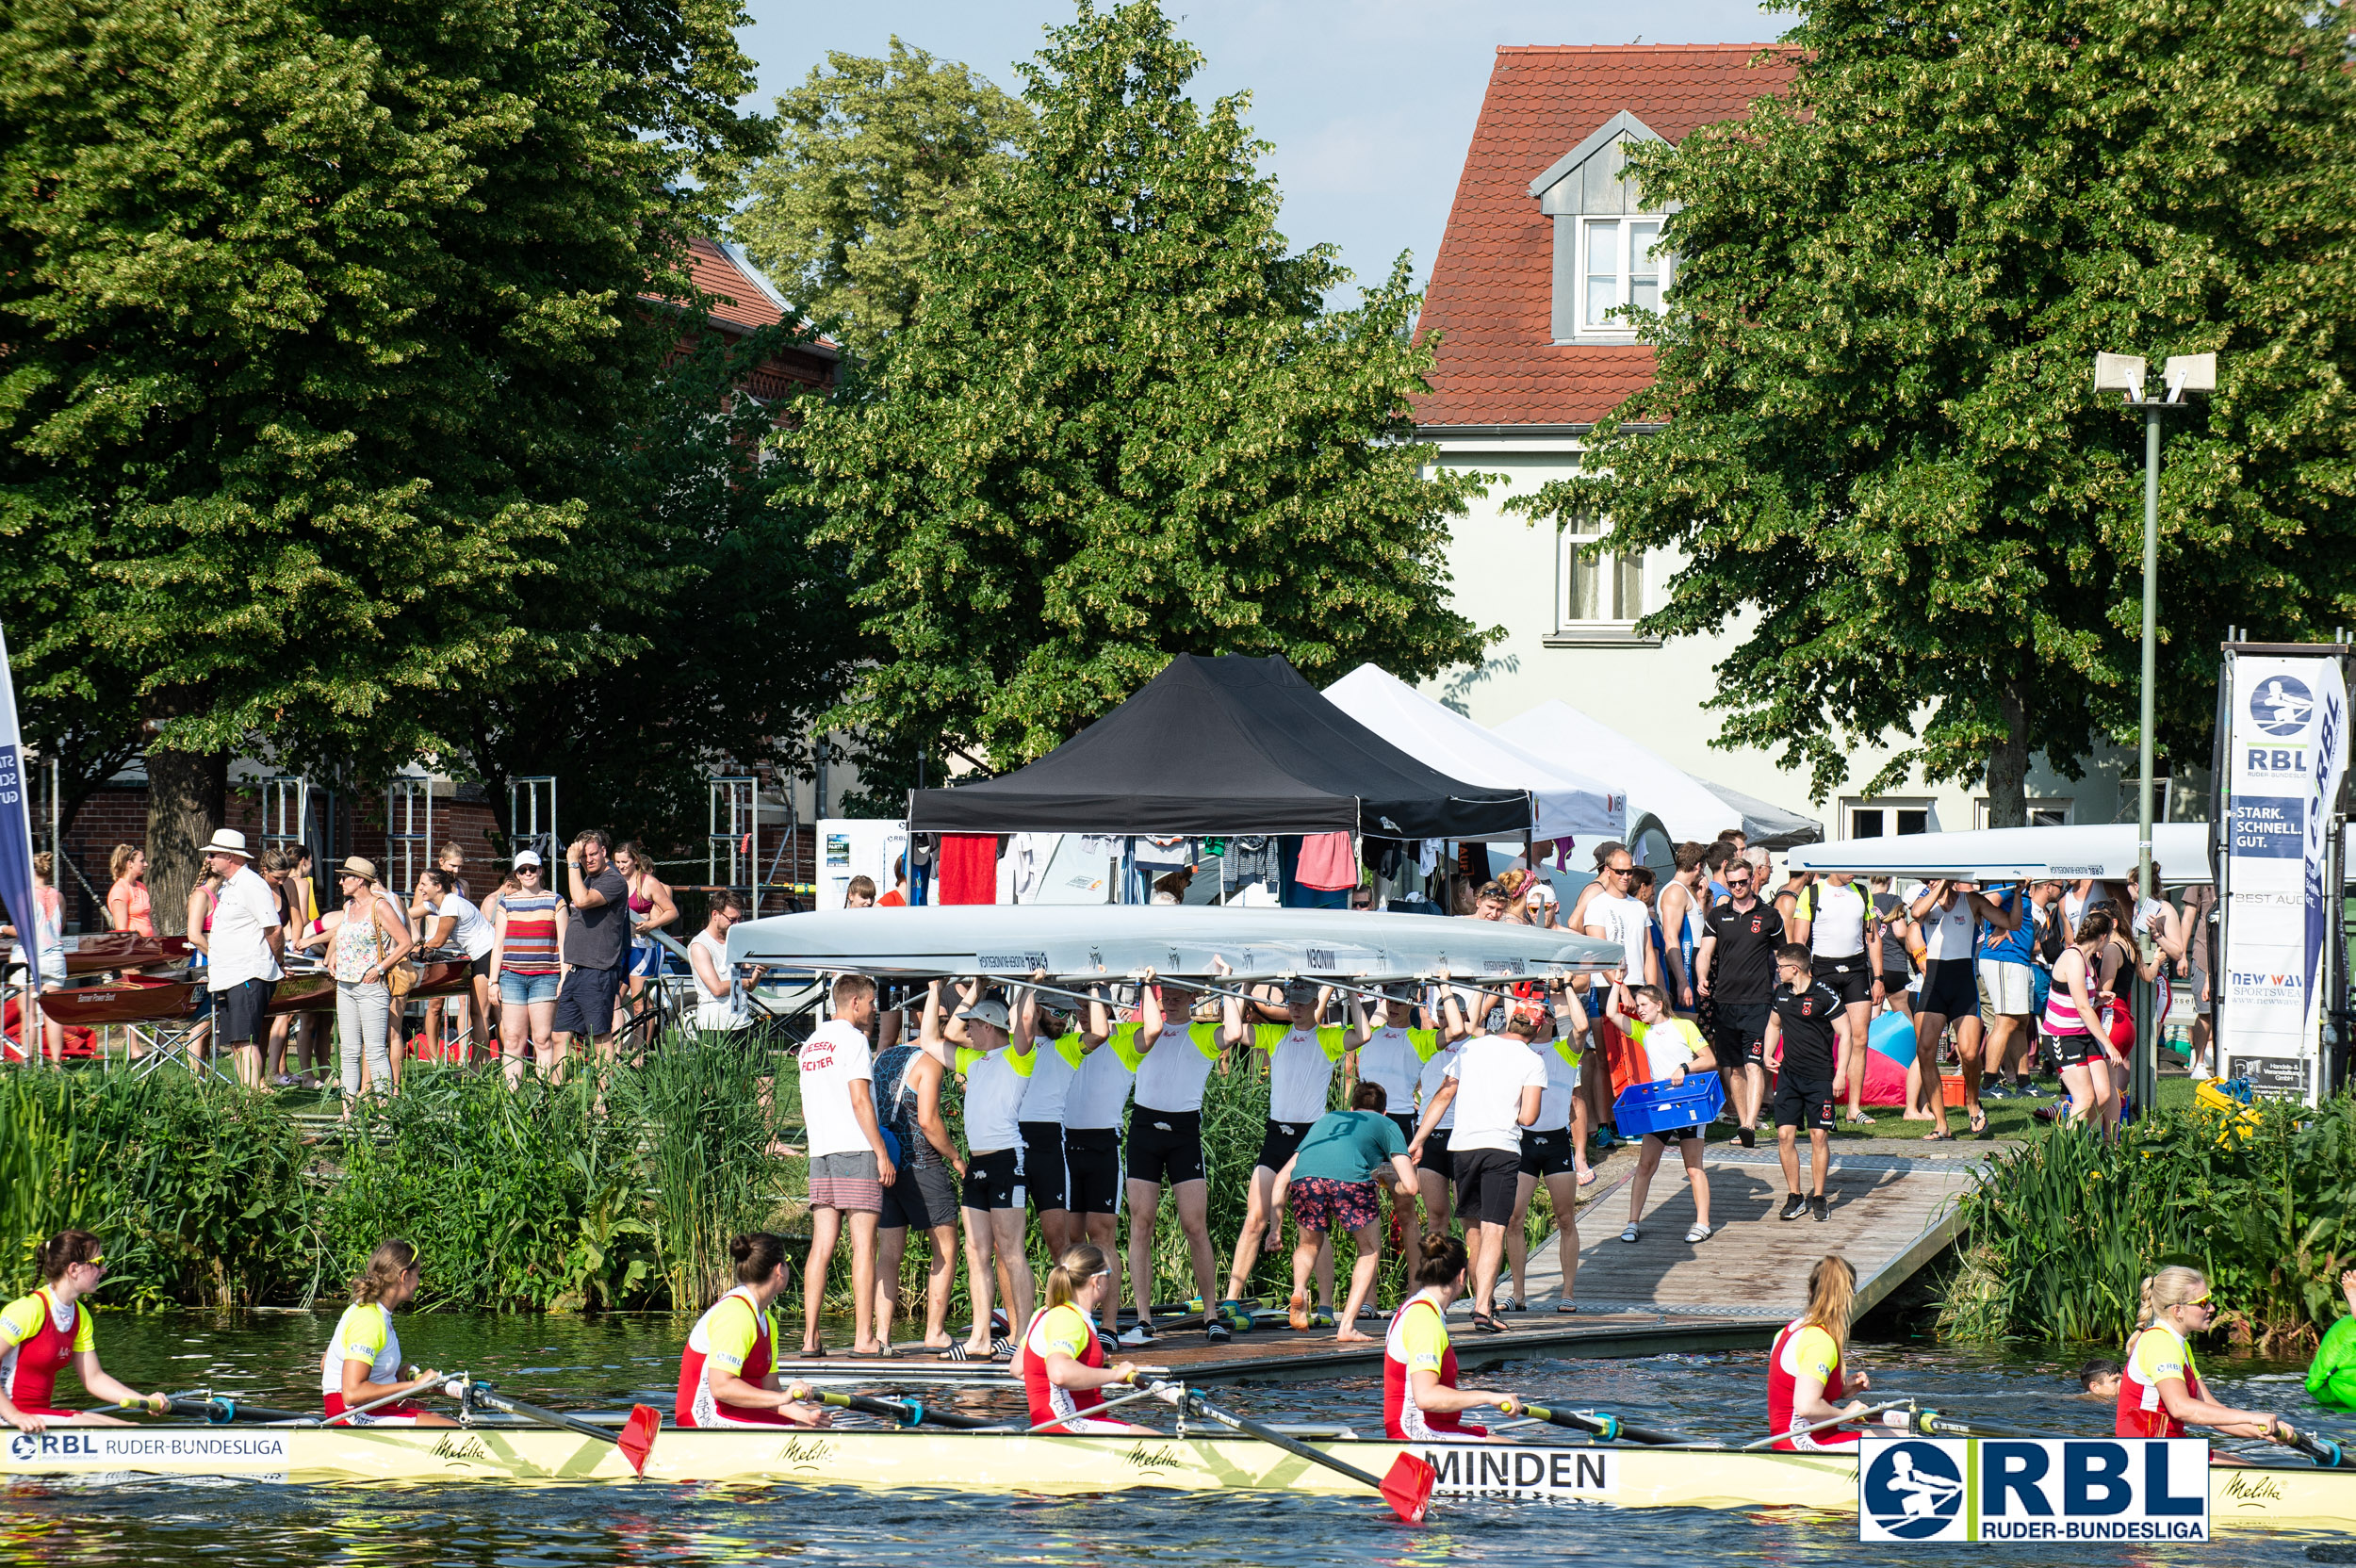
[1328,863]
[969,868]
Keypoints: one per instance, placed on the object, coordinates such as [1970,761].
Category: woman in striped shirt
[525,964]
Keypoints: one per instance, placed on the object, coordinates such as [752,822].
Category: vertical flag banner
[2288,756]
[16,822]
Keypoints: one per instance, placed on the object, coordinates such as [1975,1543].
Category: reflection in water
[607,1363]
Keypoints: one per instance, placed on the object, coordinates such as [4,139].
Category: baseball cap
[1301,994]
[527,857]
[989,1010]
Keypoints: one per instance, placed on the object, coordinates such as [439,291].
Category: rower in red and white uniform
[728,1376]
[1804,1372]
[362,1358]
[43,1334]
[2159,1388]
[1421,1402]
[1062,1361]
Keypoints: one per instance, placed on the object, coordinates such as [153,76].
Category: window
[1607,590]
[1625,266]
[1890,819]
[2042,813]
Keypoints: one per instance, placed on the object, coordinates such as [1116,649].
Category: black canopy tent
[1225,745]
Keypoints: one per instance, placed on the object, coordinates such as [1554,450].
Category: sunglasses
[2207,1302]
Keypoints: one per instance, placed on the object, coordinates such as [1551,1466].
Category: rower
[362,1358]
[1062,1359]
[2160,1391]
[1175,1055]
[1421,1402]
[1393,1054]
[727,1375]
[40,1333]
[1803,1373]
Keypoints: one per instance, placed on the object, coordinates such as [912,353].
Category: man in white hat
[246,943]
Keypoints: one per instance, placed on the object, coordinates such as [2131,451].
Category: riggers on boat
[2290,1496]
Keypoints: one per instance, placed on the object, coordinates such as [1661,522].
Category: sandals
[955,1352]
[1566,1308]
[1978,1117]
[1586,1175]
[1630,1233]
[1699,1232]
[1861,1120]
[1942,1136]
[1484,1323]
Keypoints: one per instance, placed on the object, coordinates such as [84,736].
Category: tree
[871,159]
[1122,426]
[1875,372]
[324,316]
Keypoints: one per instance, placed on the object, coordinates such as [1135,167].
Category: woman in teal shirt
[1330,1181]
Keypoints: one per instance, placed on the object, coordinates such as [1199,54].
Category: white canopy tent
[1686,808]
[1570,804]
[2103,850]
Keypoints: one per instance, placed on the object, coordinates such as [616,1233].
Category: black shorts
[993,1180]
[1803,1103]
[1091,1164]
[1165,1147]
[2076,1050]
[585,1001]
[923,1194]
[1406,1125]
[1280,1142]
[1951,987]
[238,1012]
[479,968]
[1895,981]
[1487,1180]
[1849,978]
[1042,1164]
[1546,1154]
[1741,1034]
[1436,1154]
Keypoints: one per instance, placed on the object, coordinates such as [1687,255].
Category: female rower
[2075,1026]
[727,1377]
[1804,1375]
[41,1333]
[1063,1359]
[2160,1391]
[363,1360]
[1421,1402]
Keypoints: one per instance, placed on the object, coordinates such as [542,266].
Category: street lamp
[2124,373]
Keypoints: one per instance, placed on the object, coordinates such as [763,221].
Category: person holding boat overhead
[43,1334]
[1421,1402]
[1062,1359]
[362,1358]
[1300,1058]
[728,1374]
[1804,1371]
[2159,1389]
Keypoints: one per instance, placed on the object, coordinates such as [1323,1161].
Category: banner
[2079,1489]
[2286,756]
[16,823]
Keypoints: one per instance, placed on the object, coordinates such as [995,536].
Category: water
[607,1363]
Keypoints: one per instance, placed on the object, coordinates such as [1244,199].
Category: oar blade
[1407,1487]
[638,1435]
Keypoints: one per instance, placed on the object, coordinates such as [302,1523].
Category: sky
[1371,104]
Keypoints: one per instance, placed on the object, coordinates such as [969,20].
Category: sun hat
[355,866]
[228,840]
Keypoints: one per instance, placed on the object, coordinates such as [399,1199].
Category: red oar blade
[1408,1486]
[637,1439]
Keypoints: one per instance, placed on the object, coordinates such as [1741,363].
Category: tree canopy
[1881,454]
[1121,425]
[872,156]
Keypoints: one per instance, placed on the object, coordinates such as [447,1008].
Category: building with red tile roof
[742,301]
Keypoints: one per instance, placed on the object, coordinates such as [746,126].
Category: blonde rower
[2159,1388]
[1804,1371]
[363,1360]
[1062,1361]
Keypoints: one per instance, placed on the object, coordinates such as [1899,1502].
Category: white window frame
[1620,328]
[1566,557]
[2041,810]
[1890,806]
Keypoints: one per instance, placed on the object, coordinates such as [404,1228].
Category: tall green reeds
[698,1110]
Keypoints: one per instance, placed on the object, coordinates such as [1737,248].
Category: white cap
[527,857]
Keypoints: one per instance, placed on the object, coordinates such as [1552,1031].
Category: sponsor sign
[1920,1488]
[63,1448]
[2286,752]
[1506,1470]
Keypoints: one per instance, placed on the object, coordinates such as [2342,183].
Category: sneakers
[1996,1089]
[1816,1207]
[1793,1207]
[1138,1334]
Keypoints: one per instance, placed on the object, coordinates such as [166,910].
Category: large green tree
[1121,425]
[1883,462]
[321,323]
[873,156]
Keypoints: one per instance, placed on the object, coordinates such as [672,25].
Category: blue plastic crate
[1658,1108]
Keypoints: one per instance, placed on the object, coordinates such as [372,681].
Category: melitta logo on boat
[1017,963]
[1503,1470]
[2052,1489]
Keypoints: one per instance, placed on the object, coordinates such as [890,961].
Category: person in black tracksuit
[1807,1031]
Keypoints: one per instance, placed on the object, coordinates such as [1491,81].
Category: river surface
[608,1363]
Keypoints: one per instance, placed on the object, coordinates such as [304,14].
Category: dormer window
[1607,246]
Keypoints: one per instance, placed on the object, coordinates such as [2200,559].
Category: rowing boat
[2241,1495]
[1075,941]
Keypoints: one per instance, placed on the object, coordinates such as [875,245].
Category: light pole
[2124,373]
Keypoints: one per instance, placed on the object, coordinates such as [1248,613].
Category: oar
[1602,1423]
[215,1411]
[2324,1451]
[635,1439]
[1931,1423]
[1774,1438]
[1407,1487]
[350,1411]
[907,1413]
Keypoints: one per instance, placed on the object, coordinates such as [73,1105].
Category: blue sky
[1370,103]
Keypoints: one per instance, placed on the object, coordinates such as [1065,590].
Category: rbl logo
[2280,759]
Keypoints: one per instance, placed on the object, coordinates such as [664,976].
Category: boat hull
[2242,1497]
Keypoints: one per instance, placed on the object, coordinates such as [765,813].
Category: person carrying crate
[1672,1048]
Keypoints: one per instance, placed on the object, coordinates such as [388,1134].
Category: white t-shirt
[1390,1058]
[1626,921]
[1300,1070]
[242,921]
[723,1009]
[994,1082]
[1103,1083]
[1837,929]
[834,1058]
[1171,1076]
[1948,933]
[1671,1043]
[471,932]
[1554,1106]
[1491,1072]
[1052,1073]
[1428,1083]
